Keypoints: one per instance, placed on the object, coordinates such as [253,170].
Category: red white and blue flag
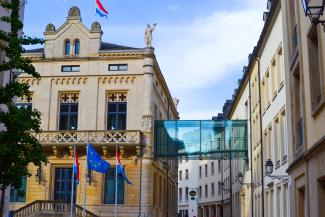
[100,10]
[76,168]
[120,169]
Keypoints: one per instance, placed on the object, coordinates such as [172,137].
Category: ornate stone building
[106,95]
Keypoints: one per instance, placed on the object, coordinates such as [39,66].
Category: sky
[201,45]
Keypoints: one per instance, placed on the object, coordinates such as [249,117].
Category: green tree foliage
[18,148]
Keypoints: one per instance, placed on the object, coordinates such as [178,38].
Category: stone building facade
[107,95]
[5,76]
[304,47]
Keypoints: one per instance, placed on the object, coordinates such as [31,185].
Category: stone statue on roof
[148,34]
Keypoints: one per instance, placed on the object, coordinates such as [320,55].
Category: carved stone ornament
[74,12]
[96,26]
[147,123]
[50,28]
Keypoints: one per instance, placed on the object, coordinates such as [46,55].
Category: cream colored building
[5,76]
[261,99]
[106,95]
[304,57]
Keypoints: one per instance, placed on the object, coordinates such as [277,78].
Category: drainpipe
[261,133]
[251,147]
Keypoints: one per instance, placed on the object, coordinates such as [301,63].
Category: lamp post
[241,180]
[269,170]
[314,10]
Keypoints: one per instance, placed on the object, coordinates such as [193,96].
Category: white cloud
[202,52]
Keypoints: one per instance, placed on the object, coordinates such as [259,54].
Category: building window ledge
[317,108]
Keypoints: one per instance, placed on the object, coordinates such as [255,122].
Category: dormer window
[67,47]
[77,47]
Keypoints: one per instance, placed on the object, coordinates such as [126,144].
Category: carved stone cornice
[127,79]
[69,80]
[30,81]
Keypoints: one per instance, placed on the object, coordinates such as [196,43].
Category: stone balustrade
[107,137]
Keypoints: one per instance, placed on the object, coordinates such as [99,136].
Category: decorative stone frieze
[147,123]
[117,79]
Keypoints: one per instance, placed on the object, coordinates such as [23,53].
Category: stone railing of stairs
[43,208]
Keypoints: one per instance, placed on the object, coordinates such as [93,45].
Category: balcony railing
[51,208]
[108,137]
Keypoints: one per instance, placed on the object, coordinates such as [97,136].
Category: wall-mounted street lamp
[241,180]
[88,177]
[222,185]
[38,174]
[269,170]
[314,10]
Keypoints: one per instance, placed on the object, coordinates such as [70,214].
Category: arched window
[77,47]
[67,47]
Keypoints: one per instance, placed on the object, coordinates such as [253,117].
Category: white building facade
[187,182]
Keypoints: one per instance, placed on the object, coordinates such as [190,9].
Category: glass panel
[67,48]
[74,108]
[122,107]
[75,68]
[66,69]
[123,67]
[201,139]
[64,108]
[19,195]
[121,122]
[63,122]
[113,67]
[111,122]
[112,107]
[109,197]
[73,122]
[77,47]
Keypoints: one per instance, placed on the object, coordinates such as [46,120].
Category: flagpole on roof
[95,11]
[85,181]
[72,180]
[116,181]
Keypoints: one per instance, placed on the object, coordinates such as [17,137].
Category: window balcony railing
[106,137]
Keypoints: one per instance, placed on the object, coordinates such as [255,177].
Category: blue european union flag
[95,162]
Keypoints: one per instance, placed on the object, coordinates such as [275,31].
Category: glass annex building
[217,140]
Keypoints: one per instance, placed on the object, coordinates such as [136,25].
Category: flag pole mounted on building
[119,170]
[100,10]
[96,163]
[75,177]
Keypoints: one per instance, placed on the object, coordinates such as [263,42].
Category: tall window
[186,194]
[69,111]
[212,168]
[212,189]
[280,66]
[200,172]
[77,47]
[206,190]
[186,174]
[206,170]
[284,143]
[117,111]
[19,195]
[109,196]
[219,166]
[180,175]
[200,192]
[180,195]
[316,79]
[25,101]
[67,47]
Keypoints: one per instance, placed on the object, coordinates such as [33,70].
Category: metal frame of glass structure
[196,140]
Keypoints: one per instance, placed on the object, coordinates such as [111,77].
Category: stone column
[147,137]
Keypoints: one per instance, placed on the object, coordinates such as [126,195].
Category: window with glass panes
[109,196]
[25,101]
[68,118]
[19,195]
[117,111]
